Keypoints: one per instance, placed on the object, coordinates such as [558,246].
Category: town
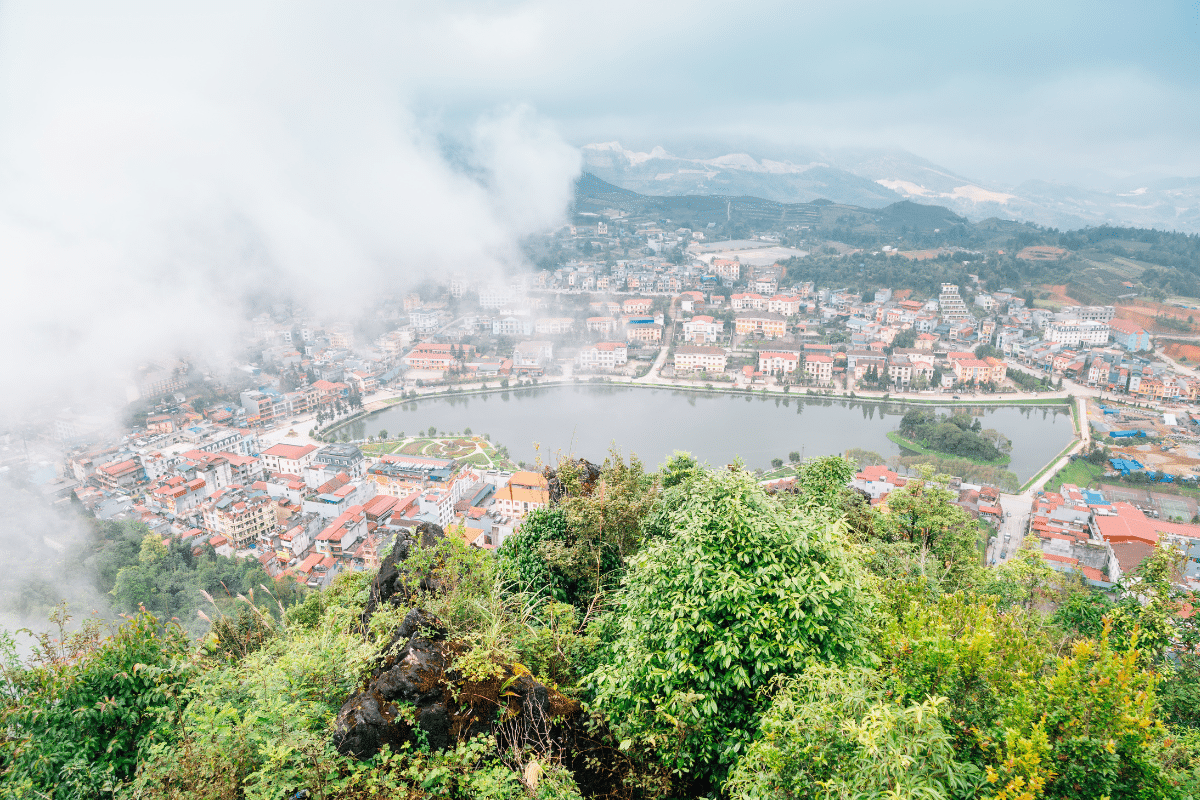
[261,464]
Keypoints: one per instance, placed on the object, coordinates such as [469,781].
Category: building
[524,492]
[784,304]
[1075,333]
[702,329]
[765,324]
[748,301]
[778,362]
[1129,335]
[240,515]
[288,458]
[602,355]
[643,331]
[345,458]
[819,368]
[512,326]
[436,356]
[951,304]
[696,358]
[554,326]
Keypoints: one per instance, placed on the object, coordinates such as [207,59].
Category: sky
[161,164]
[998,91]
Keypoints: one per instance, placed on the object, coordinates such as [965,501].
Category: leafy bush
[731,590]
[80,715]
[841,733]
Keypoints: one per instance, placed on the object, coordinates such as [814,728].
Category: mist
[164,168]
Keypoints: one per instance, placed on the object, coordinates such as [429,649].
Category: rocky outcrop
[589,477]
[392,583]
[414,695]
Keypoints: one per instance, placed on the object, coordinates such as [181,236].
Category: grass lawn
[1079,473]
[909,444]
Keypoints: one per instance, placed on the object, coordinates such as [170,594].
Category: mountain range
[878,178]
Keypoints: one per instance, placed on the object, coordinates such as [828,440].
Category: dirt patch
[1182,351]
[1148,314]
[1042,253]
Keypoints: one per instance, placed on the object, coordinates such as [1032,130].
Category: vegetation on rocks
[653,634]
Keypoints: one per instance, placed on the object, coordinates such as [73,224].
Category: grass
[909,444]
[1078,472]
[1048,466]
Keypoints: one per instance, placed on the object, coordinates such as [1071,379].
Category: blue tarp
[1126,434]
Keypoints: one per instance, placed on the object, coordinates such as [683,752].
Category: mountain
[877,178]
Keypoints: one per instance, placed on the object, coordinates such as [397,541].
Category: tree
[383,433]
[731,590]
[945,540]
[432,432]
[833,732]
[794,456]
[777,463]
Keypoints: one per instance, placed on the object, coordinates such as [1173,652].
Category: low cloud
[158,167]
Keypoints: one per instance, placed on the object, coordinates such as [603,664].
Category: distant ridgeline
[930,244]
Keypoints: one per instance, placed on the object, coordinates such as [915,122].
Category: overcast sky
[1000,91]
[161,162]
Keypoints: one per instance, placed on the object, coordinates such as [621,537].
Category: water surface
[587,419]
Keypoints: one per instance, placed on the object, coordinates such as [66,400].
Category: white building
[1077,332]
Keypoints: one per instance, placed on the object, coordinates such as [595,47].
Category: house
[637,305]
[343,532]
[524,492]
[766,324]
[877,481]
[288,458]
[697,358]
[702,329]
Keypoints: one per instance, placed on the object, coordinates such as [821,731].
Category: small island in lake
[957,435]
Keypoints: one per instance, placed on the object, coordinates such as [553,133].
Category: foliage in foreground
[732,643]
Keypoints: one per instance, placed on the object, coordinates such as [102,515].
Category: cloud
[159,165]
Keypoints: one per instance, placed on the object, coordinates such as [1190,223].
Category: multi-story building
[345,458]
[290,459]
[784,304]
[1129,335]
[240,515]
[645,331]
[702,328]
[603,355]
[748,301]
[819,368]
[524,492]
[696,358]
[554,326]
[1075,332]
[766,324]
[778,362]
[601,324]
[951,304]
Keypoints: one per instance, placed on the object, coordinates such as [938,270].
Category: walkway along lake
[716,427]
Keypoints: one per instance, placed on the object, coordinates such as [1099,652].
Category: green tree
[731,590]
[945,541]
[834,733]
[794,456]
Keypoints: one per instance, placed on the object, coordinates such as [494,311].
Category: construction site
[1163,446]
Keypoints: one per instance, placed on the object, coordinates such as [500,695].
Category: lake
[586,419]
